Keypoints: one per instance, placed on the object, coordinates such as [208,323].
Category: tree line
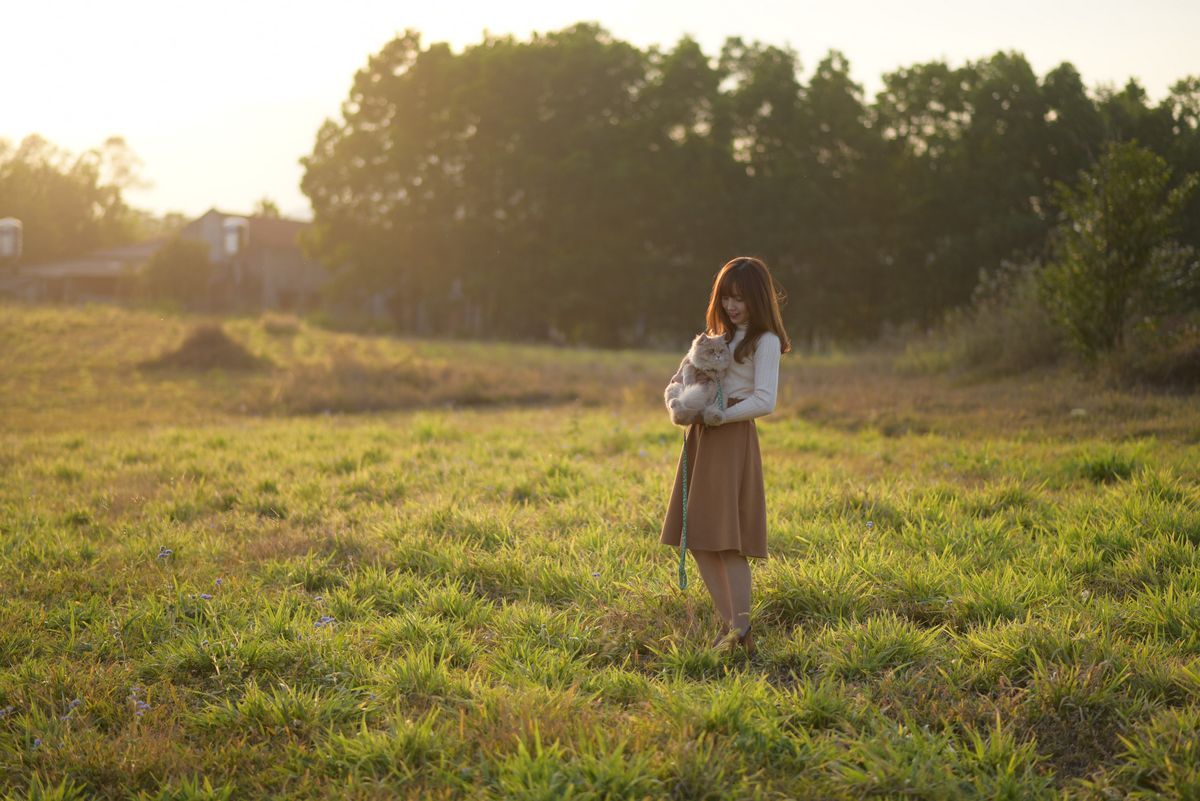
[574,184]
[73,204]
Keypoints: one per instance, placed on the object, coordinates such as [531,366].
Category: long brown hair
[748,278]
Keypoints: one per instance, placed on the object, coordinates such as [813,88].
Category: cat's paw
[713,416]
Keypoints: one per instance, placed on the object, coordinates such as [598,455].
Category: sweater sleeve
[766,382]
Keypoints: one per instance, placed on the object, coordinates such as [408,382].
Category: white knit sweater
[756,380]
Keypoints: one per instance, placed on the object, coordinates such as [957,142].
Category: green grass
[417,599]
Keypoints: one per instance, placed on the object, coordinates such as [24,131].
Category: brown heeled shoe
[734,639]
[747,641]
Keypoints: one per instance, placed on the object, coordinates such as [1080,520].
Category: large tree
[68,204]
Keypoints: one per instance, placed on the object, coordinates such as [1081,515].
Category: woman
[727,510]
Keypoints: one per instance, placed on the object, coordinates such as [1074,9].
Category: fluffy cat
[693,388]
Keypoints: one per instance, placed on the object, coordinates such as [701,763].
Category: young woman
[727,507]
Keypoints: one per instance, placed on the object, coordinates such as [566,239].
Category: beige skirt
[727,505]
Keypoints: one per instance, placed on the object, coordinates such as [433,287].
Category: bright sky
[220,99]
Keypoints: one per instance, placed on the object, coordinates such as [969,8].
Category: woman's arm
[766,382]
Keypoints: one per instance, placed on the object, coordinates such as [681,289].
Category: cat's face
[710,353]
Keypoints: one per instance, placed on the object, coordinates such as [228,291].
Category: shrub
[179,271]
[1111,247]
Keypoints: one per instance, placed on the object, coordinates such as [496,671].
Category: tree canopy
[574,183]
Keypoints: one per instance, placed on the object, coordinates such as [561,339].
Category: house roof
[278,232]
[108,262]
[133,252]
[275,231]
[86,267]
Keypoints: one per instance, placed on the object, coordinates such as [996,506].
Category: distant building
[257,265]
[258,262]
[100,276]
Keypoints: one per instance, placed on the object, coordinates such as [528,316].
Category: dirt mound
[206,347]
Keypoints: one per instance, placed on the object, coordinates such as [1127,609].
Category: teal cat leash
[683,534]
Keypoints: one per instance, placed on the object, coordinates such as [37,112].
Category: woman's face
[735,307]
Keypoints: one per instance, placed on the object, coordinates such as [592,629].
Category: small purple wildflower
[164,552]
[596,573]
[37,741]
[870,524]
[142,706]
[318,599]
[324,621]
[4,712]
[70,708]
[218,582]
[206,596]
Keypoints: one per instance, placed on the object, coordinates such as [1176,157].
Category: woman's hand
[713,416]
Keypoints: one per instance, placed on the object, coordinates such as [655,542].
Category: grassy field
[379,568]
